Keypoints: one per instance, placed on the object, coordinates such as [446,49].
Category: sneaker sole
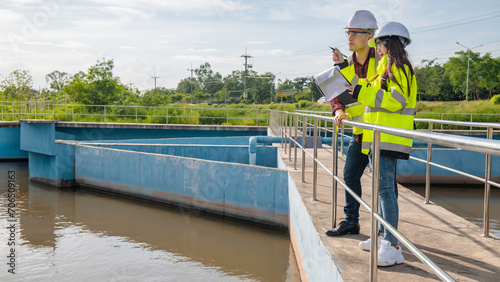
[382,264]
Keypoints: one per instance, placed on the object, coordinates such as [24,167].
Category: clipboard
[331,84]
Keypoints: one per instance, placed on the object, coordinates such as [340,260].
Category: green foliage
[17,86]
[495,99]
[303,104]
[96,87]
[433,83]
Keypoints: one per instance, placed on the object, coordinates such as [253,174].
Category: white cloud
[128,13]
[9,16]
[63,44]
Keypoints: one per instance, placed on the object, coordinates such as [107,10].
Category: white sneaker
[388,255]
[365,245]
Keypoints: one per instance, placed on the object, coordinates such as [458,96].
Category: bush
[495,99]
[303,104]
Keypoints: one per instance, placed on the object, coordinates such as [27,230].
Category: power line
[450,24]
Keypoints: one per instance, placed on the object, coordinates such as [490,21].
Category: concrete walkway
[454,244]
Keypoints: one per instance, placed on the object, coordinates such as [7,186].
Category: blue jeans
[388,196]
[355,164]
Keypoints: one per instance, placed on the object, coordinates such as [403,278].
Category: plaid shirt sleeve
[335,105]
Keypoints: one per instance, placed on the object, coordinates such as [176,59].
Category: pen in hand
[338,57]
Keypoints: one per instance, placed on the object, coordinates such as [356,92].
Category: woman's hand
[350,88]
[337,57]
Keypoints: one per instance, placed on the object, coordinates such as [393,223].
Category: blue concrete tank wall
[57,170]
[313,259]
[83,134]
[38,137]
[266,156]
[252,193]
[10,140]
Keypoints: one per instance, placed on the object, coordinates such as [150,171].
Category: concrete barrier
[251,193]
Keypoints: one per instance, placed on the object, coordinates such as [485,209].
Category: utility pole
[468,63]
[191,81]
[155,77]
[247,65]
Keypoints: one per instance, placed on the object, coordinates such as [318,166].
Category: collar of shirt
[362,70]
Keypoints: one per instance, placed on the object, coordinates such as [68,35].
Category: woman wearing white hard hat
[389,99]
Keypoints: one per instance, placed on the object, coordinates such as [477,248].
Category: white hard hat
[362,19]
[392,29]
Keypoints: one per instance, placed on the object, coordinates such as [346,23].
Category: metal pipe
[335,146]
[290,122]
[285,124]
[428,169]
[375,200]
[304,128]
[487,190]
[315,161]
[295,144]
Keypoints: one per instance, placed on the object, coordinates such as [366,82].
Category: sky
[164,39]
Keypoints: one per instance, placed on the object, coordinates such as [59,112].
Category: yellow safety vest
[356,110]
[395,107]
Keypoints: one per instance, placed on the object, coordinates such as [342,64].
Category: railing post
[487,190]
[227,116]
[290,123]
[294,144]
[53,110]
[167,114]
[285,124]
[342,140]
[428,169]
[335,146]
[374,207]
[315,161]
[197,116]
[135,114]
[281,123]
[72,113]
[304,128]
[104,113]
[442,118]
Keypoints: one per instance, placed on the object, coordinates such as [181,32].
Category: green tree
[57,80]
[299,83]
[489,73]
[456,67]
[315,93]
[96,87]
[433,83]
[17,86]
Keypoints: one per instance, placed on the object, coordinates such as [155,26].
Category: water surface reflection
[80,235]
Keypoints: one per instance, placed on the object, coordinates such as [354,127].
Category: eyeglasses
[354,33]
[383,42]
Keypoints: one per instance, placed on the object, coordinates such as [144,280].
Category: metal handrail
[45,109]
[490,147]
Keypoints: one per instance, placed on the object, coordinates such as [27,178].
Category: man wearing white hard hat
[361,64]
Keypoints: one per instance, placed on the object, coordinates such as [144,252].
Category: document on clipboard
[331,83]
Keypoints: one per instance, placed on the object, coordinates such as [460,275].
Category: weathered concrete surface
[453,243]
